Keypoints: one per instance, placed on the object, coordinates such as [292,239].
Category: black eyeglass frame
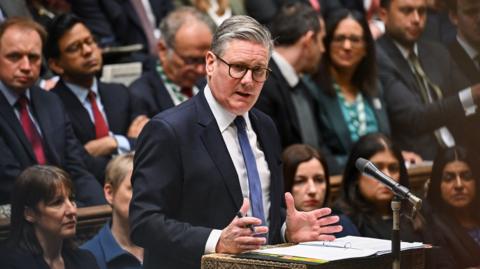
[242,73]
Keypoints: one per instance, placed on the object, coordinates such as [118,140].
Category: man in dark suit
[180,73]
[298,32]
[34,127]
[423,86]
[74,55]
[465,50]
[203,163]
[124,22]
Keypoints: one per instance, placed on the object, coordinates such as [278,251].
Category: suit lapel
[162,98]
[7,113]
[401,65]
[335,116]
[285,92]
[218,150]
[464,62]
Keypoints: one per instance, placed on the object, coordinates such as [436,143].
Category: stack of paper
[339,249]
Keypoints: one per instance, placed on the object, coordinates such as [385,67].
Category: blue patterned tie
[254,184]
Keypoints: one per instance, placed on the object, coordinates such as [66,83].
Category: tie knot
[240,122]
[22,101]
[91,95]
[188,91]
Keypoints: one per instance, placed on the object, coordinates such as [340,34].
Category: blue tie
[254,184]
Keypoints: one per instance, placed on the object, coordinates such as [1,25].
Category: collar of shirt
[286,69]
[223,117]
[470,50]
[404,51]
[81,92]
[11,95]
[111,248]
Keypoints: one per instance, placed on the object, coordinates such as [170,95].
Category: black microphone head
[361,163]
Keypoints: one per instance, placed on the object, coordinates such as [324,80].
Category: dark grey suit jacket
[185,183]
[413,122]
[464,62]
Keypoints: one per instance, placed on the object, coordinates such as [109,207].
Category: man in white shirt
[208,169]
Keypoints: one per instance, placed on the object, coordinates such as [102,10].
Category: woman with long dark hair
[365,200]
[43,223]
[453,201]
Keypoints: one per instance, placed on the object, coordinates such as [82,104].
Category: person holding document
[198,164]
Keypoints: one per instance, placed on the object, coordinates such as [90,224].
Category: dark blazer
[413,122]
[264,10]
[275,100]
[336,135]
[150,94]
[185,184]
[119,110]
[117,19]
[464,62]
[14,258]
[62,148]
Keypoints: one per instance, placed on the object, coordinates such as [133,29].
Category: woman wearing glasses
[365,200]
[43,223]
[453,217]
[351,103]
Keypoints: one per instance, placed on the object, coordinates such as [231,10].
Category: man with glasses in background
[103,115]
[207,174]
[180,73]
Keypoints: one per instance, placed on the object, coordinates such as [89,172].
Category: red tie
[101,128]
[315,5]
[31,131]
[188,91]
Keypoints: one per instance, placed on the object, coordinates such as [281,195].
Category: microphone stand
[396,205]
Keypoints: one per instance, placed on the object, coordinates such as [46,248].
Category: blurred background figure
[180,72]
[306,176]
[43,223]
[453,217]
[365,200]
[218,10]
[349,95]
[112,246]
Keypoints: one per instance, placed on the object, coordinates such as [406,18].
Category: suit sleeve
[157,196]
[87,188]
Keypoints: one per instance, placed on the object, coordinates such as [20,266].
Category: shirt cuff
[466,99]
[212,241]
[123,144]
[283,230]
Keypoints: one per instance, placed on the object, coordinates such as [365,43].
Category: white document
[339,249]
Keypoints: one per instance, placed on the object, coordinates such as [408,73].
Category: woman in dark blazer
[348,92]
[43,223]
[452,213]
[306,176]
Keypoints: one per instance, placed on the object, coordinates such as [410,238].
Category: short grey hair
[241,27]
[177,18]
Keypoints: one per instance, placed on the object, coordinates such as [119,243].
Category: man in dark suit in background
[298,32]
[102,114]
[426,94]
[465,50]
[180,73]
[34,127]
[197,165]
[124,22]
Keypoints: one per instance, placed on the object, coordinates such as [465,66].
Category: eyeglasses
[238,71]
[464,175]
[190,60]
[78,45]
[355,41]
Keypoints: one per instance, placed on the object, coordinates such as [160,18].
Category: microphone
[369,169]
